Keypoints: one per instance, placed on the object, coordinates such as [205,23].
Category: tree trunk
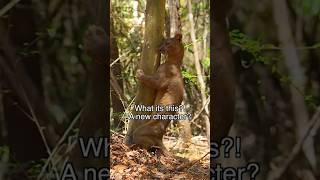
[153,36]
[198,67]
[175,21]
[285,35]
[223,80]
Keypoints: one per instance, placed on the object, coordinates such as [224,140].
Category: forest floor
[189,160]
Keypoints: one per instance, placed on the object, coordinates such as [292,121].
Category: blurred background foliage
[264,108]
[266,117]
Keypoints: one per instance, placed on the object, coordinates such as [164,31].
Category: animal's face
[172,46]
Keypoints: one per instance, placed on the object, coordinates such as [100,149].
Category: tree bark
[175,22]
[222,74]
[153,36]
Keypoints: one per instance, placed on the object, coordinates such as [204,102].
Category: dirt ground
[189,160]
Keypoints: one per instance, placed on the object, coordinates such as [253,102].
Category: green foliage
[52,32]
[4,151]
[316,46]
[75,131]
[189,77]
[311,101]
[117,114]
[254,50]
[35,168]
[239,38]
[309,7]
[206,62]
[251,46]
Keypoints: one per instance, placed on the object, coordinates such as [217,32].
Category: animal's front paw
[140,73]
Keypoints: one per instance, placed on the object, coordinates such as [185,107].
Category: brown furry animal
[168,83]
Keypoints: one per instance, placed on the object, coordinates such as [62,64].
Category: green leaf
[206,63]
[51,32]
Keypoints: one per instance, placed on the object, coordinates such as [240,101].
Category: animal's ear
[178,37]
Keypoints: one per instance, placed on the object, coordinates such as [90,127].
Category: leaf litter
[136,163]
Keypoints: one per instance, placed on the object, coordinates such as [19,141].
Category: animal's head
[173,47]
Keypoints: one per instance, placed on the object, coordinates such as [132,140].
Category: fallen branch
[9,6]
[311,131]
[55,150]
[201,110]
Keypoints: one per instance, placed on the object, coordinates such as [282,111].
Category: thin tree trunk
[175,22]
[285,35]
[3,129]
[198,67]
[204,36]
